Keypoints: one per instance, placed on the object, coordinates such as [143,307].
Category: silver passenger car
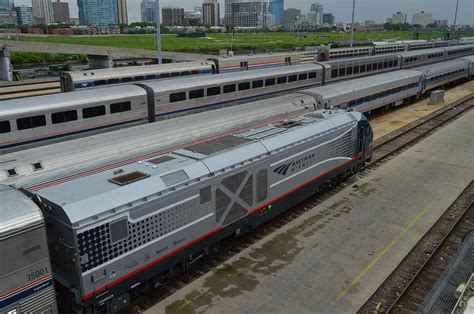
[444,73]
[367,94]
[26,280]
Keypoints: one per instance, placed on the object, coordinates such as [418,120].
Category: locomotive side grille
[41,302]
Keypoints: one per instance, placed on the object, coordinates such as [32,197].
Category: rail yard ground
[241,43]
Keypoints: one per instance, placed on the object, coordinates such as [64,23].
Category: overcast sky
[377,10]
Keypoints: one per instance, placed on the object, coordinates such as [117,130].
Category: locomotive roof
[65,101]
[119,189]
[17,212]
[196,81]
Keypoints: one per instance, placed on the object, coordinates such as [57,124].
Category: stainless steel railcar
[445,73]
[370,93]
[144,221]
[35,121]
[25,270]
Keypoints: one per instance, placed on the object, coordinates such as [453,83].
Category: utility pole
[158,33]
[456,16]
[352,25]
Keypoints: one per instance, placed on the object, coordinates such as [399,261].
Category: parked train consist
[138,224]
[23,123]
[77,80]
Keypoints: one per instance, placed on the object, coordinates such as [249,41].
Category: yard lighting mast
[456,16]
[352,25]
[158,32]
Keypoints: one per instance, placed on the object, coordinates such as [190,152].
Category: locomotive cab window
[93,112]
[30,122]
[5,127]
[120,107]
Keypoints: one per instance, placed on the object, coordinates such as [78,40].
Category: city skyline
[377,10]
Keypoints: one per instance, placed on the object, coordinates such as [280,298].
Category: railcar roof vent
[161,160]
[129,178]
[288,124]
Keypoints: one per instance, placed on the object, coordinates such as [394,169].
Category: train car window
[270,82]
[342,72]
[150,77]
[194,72]
[177,97]
[197,93]
[99,83]
[349,71]
[185,73]
[390,64]
[114,81]
[262,185]
[369,67]
[362,68]
[292,78]
[313,75]
[385,64]
[120,107]
[139,78]
[282,80]
[303,76]
[92,112]
[380,66]
[257,84]
[229,89]
[126,79]
[30,122]
[5,127]
[165,75]
[356,69]
[244,86]
[65,116]
[205,195]
[334,73]
[174,74]
[213,91]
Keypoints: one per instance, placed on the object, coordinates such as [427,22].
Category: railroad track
[29,88]
[385,149]
[409,284]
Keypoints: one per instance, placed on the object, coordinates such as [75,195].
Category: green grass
[214,42]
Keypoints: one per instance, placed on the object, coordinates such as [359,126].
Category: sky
[377,10]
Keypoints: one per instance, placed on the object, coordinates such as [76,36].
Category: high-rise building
[42,11]
[97,12]
[148,10]
[318,10]
[422,18]
[399,18]
[329,19]
[246,13]
[24,15]
[173,16]
[6,4]
[8,17]
[290,16]
[211,12]
[122,13]
[61,12]
[276,7]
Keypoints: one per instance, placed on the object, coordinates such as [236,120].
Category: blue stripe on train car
[17,297]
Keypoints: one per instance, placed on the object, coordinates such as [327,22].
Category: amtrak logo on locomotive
[295,165]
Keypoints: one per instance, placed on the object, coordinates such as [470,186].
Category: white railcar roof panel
[470,46]
[416,53]
[190,82]
[444,66]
